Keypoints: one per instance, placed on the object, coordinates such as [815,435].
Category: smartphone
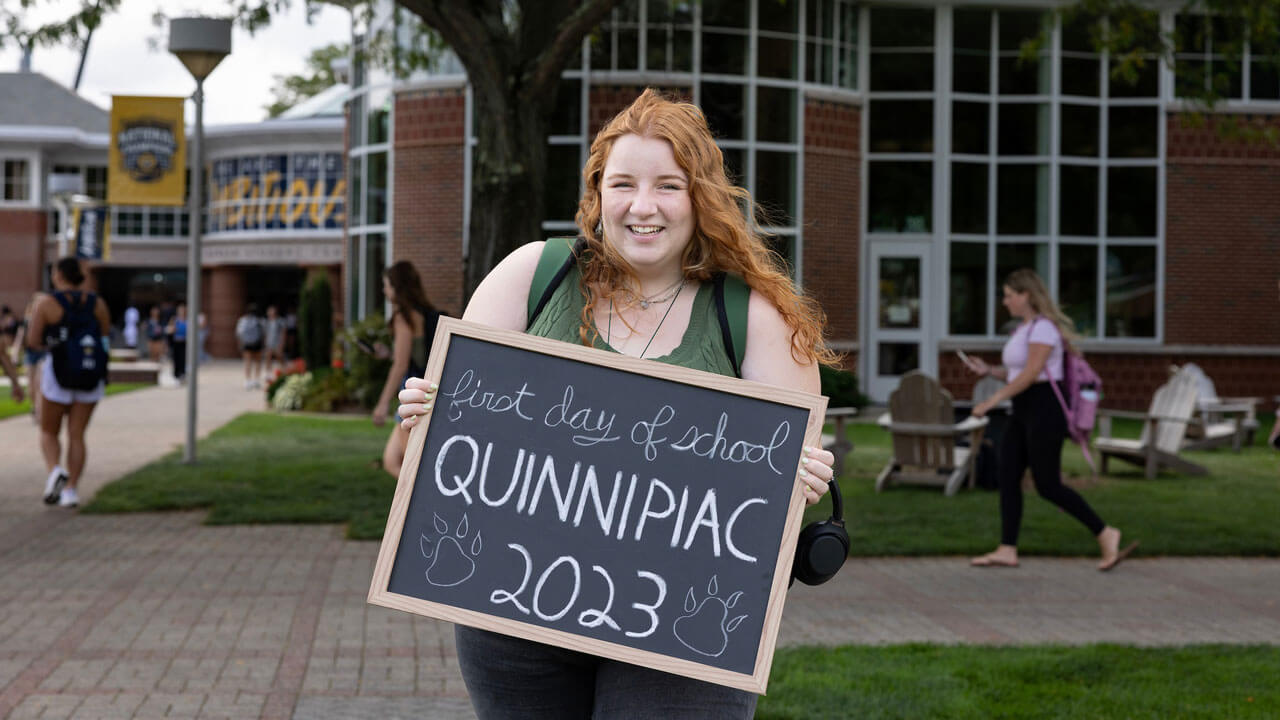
[963,358]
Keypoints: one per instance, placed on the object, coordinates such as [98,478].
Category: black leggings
[1034,438]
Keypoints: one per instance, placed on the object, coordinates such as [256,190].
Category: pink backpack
[1084,387]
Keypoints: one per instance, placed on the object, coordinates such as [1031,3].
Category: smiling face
[645,207]
[1017,303]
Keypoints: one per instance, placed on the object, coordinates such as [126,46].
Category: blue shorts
[31,357]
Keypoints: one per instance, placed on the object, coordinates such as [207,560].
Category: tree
[289,90]
[514,52]
[1129,32]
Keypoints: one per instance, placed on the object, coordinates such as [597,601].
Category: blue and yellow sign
[91,233]
[147,157]
[300,191]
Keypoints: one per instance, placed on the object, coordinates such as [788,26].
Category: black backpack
[75,345]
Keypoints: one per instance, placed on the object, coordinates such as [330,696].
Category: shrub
[292,389]
[293,368]
[315,322]
[327,390]
[841,387]
[366,371]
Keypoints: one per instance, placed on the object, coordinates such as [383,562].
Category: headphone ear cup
[820,552]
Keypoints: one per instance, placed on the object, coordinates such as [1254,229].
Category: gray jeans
[509,678]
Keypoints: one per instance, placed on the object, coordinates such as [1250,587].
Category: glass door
[899,322]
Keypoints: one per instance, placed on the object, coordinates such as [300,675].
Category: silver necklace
[608,336]
[657,299]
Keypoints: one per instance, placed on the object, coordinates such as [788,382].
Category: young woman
[413,324]
[177,334]
[154,330]
[660,218]
[249,335]
[59,402]
[1033,358]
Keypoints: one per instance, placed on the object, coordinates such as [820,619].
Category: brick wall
[429,190]
[22,258]
[831,213]
[608,101]
[223,298]
[1222,258]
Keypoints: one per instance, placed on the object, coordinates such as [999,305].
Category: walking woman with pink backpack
[1036,362]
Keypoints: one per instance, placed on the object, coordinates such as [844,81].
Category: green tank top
[701,348]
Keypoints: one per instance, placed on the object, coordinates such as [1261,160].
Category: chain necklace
[656,299]
[609,328]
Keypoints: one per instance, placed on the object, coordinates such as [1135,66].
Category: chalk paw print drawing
[450,563]
[705,626]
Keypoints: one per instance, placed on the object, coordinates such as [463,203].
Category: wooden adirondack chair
[838,440]
[921,419]
[1164,428]
[1219,420]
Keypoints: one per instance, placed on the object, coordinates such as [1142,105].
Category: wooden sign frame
[756,681]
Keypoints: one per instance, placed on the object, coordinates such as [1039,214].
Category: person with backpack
[73,325]
[176,331]
[668,262]
[413,325]
[249,334]
[1035,362]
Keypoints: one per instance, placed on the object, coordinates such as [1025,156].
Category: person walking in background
[9,325]
[130,330]
[249,335]
[273,345]
[176,331]
[413,325]
[202,332]
[1033,358]
[73,325]
[659,218]
[154,330]
[31,357]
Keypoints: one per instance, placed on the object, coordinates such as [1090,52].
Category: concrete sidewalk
[149,616]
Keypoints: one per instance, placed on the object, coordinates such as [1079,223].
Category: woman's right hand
[977,366]
[416,400]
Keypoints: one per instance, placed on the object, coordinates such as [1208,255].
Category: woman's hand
[379,414]
[816,470]
[416,400]
[978,366]
[982,408]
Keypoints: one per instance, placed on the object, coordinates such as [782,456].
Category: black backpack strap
[548,275]
[731,296]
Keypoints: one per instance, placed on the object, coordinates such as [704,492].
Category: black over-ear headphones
[822,546]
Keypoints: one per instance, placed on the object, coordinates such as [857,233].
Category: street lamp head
[200,43]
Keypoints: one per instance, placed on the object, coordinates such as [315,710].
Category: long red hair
[725,236]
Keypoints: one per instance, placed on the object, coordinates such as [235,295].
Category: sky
[121,63]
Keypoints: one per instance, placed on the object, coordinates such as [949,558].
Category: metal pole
[194,211]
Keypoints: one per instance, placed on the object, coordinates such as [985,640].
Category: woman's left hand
[816,470]
[380,414]
[982,408]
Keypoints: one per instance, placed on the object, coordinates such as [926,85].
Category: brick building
[911,158]
[276,200]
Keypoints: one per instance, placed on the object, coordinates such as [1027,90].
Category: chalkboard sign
[621,507]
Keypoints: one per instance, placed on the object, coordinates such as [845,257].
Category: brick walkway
[149,616]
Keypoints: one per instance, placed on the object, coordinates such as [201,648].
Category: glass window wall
[1054,164]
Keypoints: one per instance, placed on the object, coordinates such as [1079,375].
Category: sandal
[1121,554]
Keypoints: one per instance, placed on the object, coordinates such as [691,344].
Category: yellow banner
[148,151]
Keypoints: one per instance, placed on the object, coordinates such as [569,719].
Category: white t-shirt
[1041,331]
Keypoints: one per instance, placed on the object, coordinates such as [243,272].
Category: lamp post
[200,43]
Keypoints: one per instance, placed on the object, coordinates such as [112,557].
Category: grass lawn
[9,408]
[1231,511]
[265,467]
[1098,681]
[268,468]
